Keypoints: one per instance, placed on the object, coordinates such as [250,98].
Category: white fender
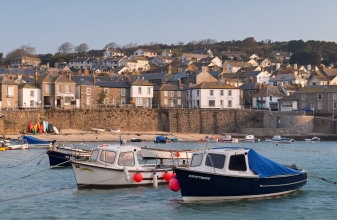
[155,179]
[126,174]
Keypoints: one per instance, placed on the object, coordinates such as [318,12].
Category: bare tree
[111,45]
[82,48]
[65,48]
[29,49]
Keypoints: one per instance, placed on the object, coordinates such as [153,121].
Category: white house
[234,66]
[29,96]
[161,60]
[141,93]
[109,52]
[145,53]
[267,98]
[213,95]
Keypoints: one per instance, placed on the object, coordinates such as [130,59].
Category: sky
[46,24]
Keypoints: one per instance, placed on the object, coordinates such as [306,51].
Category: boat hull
[199,186]
[101,177]
[62,158]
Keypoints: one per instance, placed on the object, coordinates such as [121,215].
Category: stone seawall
[259,123]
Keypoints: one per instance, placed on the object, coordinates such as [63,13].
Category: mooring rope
[29,160]
[324,179]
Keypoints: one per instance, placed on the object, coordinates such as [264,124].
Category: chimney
[169,71]
[295,66]
[69,75]
[179,82]
[36,76]
[94,79]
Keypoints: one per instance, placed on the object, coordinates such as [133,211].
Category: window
[139,90]
[179,93]
[126,159]
[229,103]
[215,160]
[221,92]
[250,92]
[165,93]
[178,101]
[59,88]
[94,154]
[88,101]
[139,102]
[31,103]
[172,93]
[67,88]
[270,98]
[32,93]
[67,100]
[106,101]
[106,91]
[123,92]
[229,92]
[303,96]
[165,101]
[237,163]
[107,156]
[114,102]
[88,91]
[319,105]
[319,96]
[198,92]
[335,105]
[123,101]
[211,92]
[196,160]
[149,91]
[211,103]
[10,91]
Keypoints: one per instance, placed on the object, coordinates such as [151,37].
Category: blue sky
[46,24]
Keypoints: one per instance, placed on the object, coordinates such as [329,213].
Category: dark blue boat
[161,139]
[234,174]
[35,142]
[60,156]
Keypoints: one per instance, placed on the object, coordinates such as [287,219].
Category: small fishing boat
[161,139]
[115,166]
[17,145]
[251,138]
[313,140]
[279,139]
[136,140]
[59,156]
[34,142]
[235,174]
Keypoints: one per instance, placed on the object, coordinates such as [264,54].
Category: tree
[65,48]
[296,45]
[82,48]
[29,49]
[111,45]
[305,58]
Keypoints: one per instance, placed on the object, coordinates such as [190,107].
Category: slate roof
[273,91]
[212,85]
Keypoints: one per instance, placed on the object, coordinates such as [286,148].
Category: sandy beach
[70,135]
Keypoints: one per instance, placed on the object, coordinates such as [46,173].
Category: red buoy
[138,177]
[167,176]
[177,154]
[174,184]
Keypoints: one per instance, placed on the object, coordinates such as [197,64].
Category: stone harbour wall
[259,123]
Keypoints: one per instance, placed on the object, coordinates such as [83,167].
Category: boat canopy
[33,140]
[265,167]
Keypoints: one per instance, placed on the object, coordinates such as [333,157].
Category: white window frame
[123,92]
[88,91]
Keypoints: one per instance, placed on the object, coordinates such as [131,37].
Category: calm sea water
[30,190]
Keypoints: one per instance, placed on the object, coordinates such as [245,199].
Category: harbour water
[30,190]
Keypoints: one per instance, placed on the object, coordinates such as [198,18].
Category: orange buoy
[177,154]
[138,177]
[167,176]
[174,184]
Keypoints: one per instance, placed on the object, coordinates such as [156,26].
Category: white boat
[251,138]
[115,166]
[279,139]
[155,153]
[17,145]
[313,140]
[210,139]
[115,130]
[98,129]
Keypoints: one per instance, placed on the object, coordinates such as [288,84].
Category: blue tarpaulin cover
[33,140]
[265,167]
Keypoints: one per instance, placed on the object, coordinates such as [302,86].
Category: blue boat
[37,143]
[161,139]
[235,174]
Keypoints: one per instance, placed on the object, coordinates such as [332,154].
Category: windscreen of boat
[126,159]
[196,160]
[265,167]
[108,156]
[94,154]
[215,160]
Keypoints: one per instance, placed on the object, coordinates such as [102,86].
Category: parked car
[307,110]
